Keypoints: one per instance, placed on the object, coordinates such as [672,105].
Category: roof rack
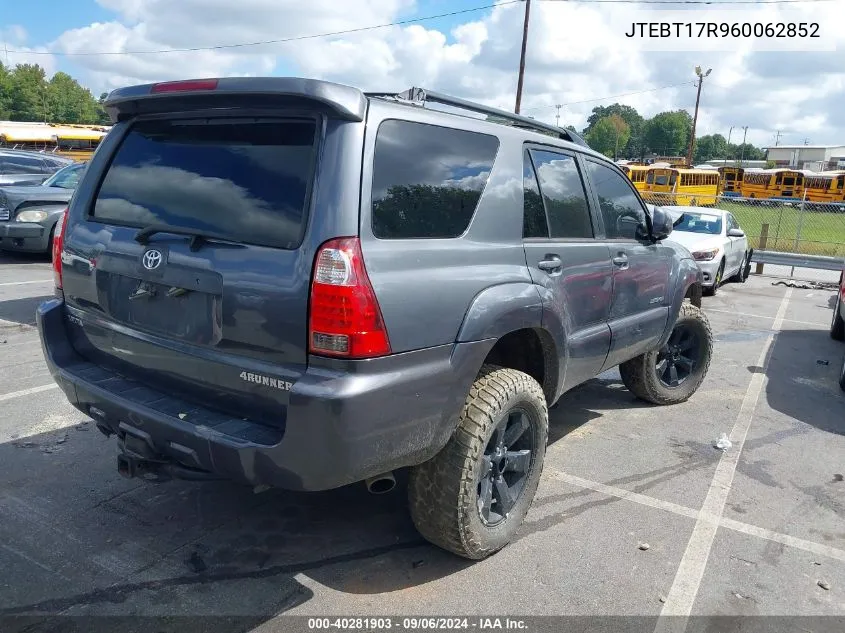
[421,96]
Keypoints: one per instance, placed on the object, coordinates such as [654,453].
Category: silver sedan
[716,241]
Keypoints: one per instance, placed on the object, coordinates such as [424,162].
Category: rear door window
[564,195]
[245,179]
[427,179]
[534,223]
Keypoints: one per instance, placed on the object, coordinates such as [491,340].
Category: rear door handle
[621,261]
[552,262]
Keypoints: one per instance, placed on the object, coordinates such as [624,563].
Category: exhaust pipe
[380,484]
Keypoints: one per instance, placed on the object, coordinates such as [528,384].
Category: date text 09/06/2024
[421,623]
[724,30]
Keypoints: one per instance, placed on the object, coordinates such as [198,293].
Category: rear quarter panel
[426,286]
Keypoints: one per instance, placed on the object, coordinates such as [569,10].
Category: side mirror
[662,224]
[736,233]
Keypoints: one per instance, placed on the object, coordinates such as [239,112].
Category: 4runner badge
[266,381]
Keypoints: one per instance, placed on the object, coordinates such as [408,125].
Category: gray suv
[292,283]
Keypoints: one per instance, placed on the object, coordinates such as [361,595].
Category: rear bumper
[24,237]
[346,420]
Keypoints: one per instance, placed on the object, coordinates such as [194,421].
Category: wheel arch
[512,315]
[688,285]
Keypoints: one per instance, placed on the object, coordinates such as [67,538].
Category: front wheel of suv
[471,497]
[674,372]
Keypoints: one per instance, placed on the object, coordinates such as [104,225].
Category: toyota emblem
[152,259]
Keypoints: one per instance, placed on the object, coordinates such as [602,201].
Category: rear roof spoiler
[342,101]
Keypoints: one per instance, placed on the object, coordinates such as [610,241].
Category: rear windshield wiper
[197,237]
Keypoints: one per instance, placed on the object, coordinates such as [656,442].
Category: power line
[626,94]
[396,23]
[282,40]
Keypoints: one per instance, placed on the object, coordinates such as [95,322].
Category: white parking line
[27,392]
[763,316]
[684,589]
[24,283]
[674,508]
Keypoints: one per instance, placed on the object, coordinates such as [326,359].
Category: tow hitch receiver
[139,458]
[130,466]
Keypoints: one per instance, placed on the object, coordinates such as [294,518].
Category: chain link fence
[785,226]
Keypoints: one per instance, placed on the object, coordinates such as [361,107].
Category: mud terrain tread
[442,490]
[640,379]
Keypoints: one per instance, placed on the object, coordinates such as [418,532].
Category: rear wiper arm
[197,237]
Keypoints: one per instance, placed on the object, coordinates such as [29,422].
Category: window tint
[620,208]
[247,180]
[732,222]
[66,178]
[53,165]
[534,219]
[22,165]
[427,180]
[564,195]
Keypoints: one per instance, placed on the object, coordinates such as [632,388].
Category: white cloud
[576,54]
[14,49]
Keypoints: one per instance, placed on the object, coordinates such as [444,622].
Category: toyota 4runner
[291,283]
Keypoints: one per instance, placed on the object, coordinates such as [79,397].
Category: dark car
[23,167]
[28,215]
[292,283]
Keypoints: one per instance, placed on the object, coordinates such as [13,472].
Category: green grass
[822,233]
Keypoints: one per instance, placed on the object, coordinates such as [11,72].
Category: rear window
[22,165]
[247,180]
[428,179]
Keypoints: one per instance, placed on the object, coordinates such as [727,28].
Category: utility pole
[522,57]
[744,133]
[557,116]
[729,143]
[777,138]
[701,77]
[806,141]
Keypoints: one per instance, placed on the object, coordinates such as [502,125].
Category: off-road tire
[640,377]
[442,492]
[712,290]
[837,325]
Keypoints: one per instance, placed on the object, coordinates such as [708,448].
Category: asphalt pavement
[637,513]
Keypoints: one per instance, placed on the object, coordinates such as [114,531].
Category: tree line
[27,95]
[620,131]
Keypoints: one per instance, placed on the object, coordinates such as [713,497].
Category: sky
[578,55]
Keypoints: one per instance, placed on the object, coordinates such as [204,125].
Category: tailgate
[186,268]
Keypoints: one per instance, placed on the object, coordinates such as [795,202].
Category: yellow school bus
[677,162]
[684,187]
[76,141]
[31,136]
[773,184]
[731,181]
[826,187]
[636,174]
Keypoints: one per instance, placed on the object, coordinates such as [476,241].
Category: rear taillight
[184,86]
[58,243]
[345,319]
